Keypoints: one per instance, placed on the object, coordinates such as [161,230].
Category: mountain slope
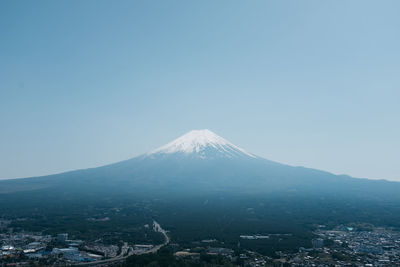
[202,162]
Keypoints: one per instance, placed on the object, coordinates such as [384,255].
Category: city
[355,245]
[25,248]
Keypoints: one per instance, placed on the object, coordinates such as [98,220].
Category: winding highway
[127,251]
[157,227]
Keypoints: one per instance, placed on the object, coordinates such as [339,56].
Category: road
[128,251]
[157,227]
[125,249]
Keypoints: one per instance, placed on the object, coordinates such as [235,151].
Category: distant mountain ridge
[201,161]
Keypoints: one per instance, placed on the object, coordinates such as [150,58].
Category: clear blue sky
[311,83]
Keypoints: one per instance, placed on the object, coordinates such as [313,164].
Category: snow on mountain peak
[198,141]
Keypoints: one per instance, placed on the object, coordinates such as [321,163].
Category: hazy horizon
[311,84]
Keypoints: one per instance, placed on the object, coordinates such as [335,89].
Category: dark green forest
[292,217]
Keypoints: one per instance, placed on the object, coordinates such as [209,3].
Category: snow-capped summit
[202,143]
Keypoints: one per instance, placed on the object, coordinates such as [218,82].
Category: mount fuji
[202,162]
